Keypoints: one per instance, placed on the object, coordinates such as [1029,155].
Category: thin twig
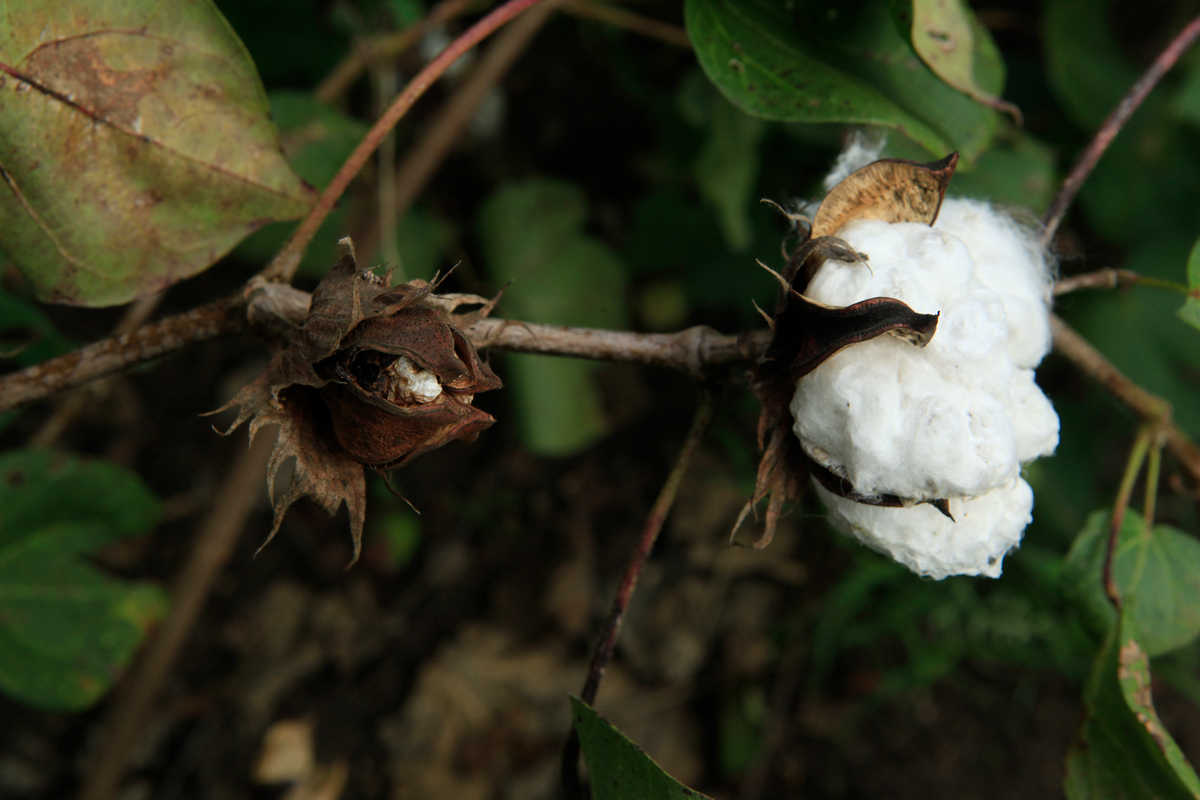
[386,47]
[1112,126]
[1153,471]
[630,21]
[212,544]
[118,353]
[633,570]
[426,156]
[1148,408]
[1137,456]
[283,266]
[1112,279]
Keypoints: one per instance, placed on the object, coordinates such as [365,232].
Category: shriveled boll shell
[956,418]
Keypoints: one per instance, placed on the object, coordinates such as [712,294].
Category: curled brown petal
[840,486]
[390,439]
[810,332]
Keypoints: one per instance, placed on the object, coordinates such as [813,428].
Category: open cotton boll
[953,420]
[921,538]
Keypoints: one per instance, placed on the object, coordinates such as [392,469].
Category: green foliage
[66,629]
[532,234]
[939,624]
[846,64]
[1122,751]
[618,768]
[125,184]
[1160,566]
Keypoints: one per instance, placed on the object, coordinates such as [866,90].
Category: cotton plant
[900,377]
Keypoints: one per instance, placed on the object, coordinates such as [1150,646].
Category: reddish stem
[283,266]
[633,570]
[1113,125]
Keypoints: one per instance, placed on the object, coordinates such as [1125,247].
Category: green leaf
[66,629]
[136,146]
[532,233]
[1161,568]
[1122,751]
[618,768]
[848,64]
[1190,311]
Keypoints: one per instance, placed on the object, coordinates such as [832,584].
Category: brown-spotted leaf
[136,147]
[944,35]
[892,190]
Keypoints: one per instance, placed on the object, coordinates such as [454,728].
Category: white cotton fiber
[954,419]
[924,540]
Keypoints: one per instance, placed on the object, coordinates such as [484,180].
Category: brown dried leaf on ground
[376,376]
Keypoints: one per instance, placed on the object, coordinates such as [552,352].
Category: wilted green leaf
[618,768]
[66,629]
[807,62]
[1190,312]
[1122,751]
[1161,569]
[532,233]
[135,145]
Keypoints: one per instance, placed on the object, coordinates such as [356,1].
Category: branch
[1112,126]
[276,310]
[119,353]
[385,47]
[1149,408]
[630,21]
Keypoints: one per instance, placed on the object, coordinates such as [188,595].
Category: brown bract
[806,333]
[376,376]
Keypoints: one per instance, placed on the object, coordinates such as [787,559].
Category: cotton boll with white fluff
[953,420]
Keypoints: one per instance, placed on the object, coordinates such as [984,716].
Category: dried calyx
[914,440]
[376,376]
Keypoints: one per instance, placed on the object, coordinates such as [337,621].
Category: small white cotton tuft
[955,419]
[862,150]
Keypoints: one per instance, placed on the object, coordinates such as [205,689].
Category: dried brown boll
[376,376]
